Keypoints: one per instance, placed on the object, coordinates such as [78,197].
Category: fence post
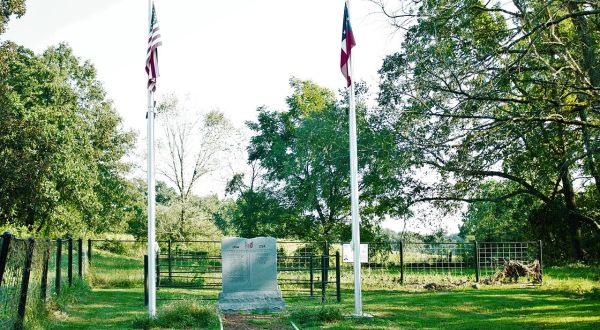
[70,262]
[401,262]
[44,284]
[89,252]
[25,283]
[312,281]
[145,280]
[476,262]
[6,237]
[338,291]
[170,272]
[58,265]
[80,257]
[323,279]
[326,253]
[157,269]
[540,257]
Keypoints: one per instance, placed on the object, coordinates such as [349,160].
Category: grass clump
[70,295]
[181,315]
[324,314]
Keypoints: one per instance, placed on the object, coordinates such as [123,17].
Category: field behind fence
[32,271]
[193,268]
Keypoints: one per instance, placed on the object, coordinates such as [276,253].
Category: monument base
[250,301]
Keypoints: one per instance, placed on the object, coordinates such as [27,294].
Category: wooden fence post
[6,237]
[44,284]
[89,252]
[25,283]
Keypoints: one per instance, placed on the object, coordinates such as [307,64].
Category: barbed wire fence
[31,272]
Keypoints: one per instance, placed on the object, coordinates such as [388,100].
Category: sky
[231,55]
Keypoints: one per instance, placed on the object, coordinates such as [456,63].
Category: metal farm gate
[186,266]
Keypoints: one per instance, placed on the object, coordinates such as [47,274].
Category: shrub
[181,315]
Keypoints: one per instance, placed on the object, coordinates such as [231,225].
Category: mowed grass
[568,299]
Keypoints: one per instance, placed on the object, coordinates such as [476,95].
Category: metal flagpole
[151,198]
[354,193]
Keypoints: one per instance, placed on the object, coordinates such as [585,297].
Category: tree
[488,92]
[304,154]
[505,220]
[192,146]
[60,145]
[9,8]
[137,224]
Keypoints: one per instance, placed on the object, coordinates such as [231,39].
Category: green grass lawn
[568,299]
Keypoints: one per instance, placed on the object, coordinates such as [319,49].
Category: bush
[311,315]
[181,315]
[113,247]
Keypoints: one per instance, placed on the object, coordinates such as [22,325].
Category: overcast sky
[233,55]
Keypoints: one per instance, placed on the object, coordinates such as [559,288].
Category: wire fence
[32,271]
[314,270]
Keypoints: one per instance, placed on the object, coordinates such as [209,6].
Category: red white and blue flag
[152,53]
[347,44]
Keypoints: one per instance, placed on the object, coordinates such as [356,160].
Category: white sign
[348,256]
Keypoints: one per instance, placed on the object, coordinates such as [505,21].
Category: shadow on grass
[511,308]
[104,309]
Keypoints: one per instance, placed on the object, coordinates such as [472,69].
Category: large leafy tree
[60,145]
[487,91]
[304,154]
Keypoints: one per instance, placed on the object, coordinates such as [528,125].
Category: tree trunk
[572,218]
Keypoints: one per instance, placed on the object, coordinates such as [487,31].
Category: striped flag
[347,44]
[152,53]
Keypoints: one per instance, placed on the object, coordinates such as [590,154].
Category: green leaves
[60,145]
[484,92]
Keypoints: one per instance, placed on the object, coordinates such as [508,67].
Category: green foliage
[505,220]
[469,101]
[60,145]
[303,161]
[9,8]
[113,247]
[181,315]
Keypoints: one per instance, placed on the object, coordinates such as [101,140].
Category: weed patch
[325,314]
[181,315]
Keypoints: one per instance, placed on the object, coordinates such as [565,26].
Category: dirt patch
[254,322]
[443,286]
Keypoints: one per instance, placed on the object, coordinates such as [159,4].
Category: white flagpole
[151,198]
[354,192]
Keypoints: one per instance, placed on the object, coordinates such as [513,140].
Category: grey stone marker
[249,272]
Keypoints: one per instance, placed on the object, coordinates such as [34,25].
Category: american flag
[347,44]
[152,54]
